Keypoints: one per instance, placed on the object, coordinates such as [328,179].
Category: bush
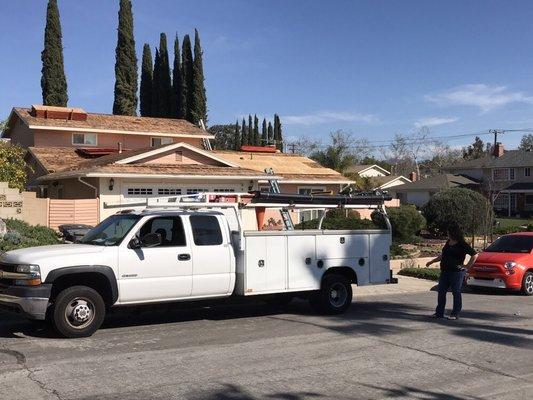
[405,220]
[469,210]
[504,230]
[20,235]
[431,274]
[397,251]
[336,219]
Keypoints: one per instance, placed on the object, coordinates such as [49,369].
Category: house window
[196,190]
[85,139]
[527,171]
[501,202]
[169,191]
[310,214]
[511,174]
[160,141]
[140,191]
[501,174]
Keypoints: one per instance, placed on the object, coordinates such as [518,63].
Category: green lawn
[505,222]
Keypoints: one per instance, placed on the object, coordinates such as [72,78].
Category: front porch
[515,200]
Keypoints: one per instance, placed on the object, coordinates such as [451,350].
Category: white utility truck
[194,248]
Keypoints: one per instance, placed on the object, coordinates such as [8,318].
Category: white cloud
[434,121]
[324,117]
[484,97]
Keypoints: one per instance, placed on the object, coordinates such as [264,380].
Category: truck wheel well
[95,281]
[344,271]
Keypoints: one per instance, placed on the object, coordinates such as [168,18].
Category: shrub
[21,235]
[336,219]
[397,251]
[469,210]
[405,220]
[431,274]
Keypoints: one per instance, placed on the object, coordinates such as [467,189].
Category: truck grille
[7,268]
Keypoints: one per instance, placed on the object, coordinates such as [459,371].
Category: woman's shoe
[452,317]
[436,316]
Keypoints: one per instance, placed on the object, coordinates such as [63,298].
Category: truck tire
[334,297]
[78,312]
[527,284]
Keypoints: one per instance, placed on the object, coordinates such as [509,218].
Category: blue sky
[372,68]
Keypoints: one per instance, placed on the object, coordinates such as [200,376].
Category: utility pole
[292,146]
[495,132]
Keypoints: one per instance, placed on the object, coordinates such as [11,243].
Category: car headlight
[32,271]
[511,264]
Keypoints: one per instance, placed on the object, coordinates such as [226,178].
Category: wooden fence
[80,211]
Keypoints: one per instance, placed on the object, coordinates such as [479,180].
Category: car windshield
[512,244]
[110,231]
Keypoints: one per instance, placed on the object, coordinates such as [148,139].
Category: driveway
[384,347]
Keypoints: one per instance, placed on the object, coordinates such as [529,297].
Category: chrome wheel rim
[338,295]
[79,313]
[528,283]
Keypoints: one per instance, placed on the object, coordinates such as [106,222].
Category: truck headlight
[33,273]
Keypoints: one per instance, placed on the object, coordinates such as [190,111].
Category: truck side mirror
[134,243]
[151,240]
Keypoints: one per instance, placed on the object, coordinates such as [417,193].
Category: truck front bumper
[32,301]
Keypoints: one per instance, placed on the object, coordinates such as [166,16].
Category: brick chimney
[498,150]
[413,176]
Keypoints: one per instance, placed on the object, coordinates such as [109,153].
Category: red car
[506,264]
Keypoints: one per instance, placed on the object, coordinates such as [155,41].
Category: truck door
[163,272]
[212,256]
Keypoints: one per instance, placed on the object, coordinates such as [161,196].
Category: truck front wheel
[335,295]
[78,312]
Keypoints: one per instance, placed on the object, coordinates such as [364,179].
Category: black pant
[453,279]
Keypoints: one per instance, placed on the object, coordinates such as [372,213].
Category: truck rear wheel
[78,312]
[335,295]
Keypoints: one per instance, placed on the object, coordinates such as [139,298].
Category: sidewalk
[406,284]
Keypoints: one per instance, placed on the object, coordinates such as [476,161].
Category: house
[378,177]
[506,178]
[420,191]
[118,160]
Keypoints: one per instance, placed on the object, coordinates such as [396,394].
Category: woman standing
[452,271]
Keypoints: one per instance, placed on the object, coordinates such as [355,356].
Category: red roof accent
[259,149]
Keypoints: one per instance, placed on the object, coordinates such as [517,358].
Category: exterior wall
[478,173]
[419,199]
[293,187]
[21,135]
[24,206]
[46,138]
[71,189]
[366,213]
[393,184]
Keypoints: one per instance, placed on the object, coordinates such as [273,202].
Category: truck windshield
[512,244]
[110,231]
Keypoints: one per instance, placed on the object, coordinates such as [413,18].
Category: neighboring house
[506,177]
[379,177]
[122,159]
[420,191]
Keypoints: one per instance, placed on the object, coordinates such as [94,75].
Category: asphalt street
[384,347]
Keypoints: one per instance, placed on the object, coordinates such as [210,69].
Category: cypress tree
[199,100]
[251,141]
[125,102]
[164,86]
[244,136]
[155,85]
[177,83]
[270,131]
[146,82]
[237,136]
[264,133]
[278,136]
[187,76]
[257,138]
[53,80]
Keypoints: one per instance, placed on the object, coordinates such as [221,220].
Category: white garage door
[136,192]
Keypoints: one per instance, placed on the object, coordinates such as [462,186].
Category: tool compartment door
[266,264]
[379,248]
[255,269]
[303,271]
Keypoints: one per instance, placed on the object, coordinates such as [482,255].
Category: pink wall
[110,140]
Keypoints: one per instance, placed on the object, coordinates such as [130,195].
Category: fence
[79,211]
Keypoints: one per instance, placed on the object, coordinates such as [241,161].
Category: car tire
[78,311]
[334,297]
[527,284]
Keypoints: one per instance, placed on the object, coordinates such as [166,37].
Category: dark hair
[456,233]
